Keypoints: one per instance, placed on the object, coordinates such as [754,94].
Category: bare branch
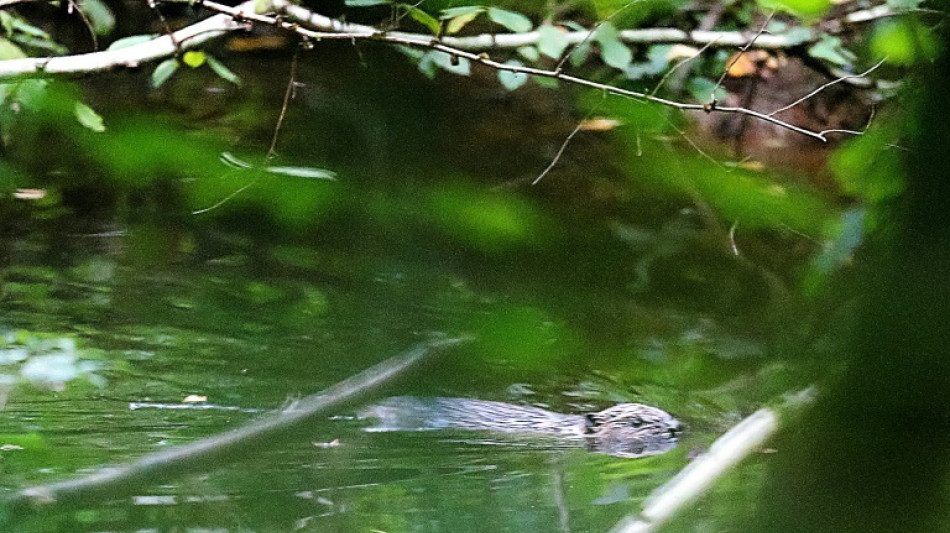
[159,48]
[232,18]
[829,84]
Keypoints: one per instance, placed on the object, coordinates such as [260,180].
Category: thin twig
[680,64]
[732,239]
[743,50]
[168,29]
[354,31]
[234,18]
[161,47]
[272,151]
[590,33]
[567,141]
[86,22]
[227,198]
[826,85]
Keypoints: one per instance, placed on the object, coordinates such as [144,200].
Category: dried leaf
[599,124]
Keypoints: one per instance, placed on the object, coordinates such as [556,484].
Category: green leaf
[702,89]
[546,82]
[456,24]
[612,51]
[163,71]
[423,18]
[366,3]
[99,15]
[262,6]
[88,117]
[9,50]
[444,61]
[223,72]
[132,40]
[515,22]
[6,22]
[193,58]
[903,42]
[303,172]
[901,5]
[579,53]
[41,44]
[427,67]
[32,94]
[809,9]
[512,80]
[234,161]
[658,61]
[841,248]
[829,48]
[19,25]
[796,36]
[453,12]
[552,41]
[529,52]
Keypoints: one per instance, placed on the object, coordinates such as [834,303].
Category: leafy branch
[456,53]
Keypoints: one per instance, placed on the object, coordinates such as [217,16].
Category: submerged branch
[206,453]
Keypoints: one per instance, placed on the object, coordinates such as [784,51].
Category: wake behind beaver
[628,430]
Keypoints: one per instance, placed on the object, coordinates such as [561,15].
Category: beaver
[627,430]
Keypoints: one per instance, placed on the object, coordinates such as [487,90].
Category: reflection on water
[255,331]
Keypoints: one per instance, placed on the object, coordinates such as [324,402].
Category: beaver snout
[675,430]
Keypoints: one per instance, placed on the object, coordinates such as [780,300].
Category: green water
[575,303]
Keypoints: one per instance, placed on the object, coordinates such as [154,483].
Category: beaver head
[632,430]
